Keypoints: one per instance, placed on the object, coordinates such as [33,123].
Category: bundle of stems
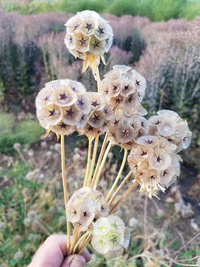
[92,177]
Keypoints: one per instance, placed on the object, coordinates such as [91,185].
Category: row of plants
[166,53]
[155,10]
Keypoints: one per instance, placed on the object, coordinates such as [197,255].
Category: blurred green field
[155,10]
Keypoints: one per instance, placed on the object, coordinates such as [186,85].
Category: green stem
[75,247]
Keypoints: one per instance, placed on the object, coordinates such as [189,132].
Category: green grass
[25,132]
[155,10]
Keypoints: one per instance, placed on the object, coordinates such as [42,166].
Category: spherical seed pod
[73,24]
[129,145]
[112,137]
[104,208]
[88,34]
[117,101]
[141,132]
[133,164]
[186,140]
[114,87]
[86,206]
[163,143]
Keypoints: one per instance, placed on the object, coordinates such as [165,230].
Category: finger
[74,261]
[86,255]
[51,253]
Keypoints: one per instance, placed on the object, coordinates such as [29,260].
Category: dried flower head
[154,163]
[85,206]
[88,37]
[110,236]
[123,87]
[61,106]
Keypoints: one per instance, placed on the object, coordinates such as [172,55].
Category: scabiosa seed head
[110,236]
[124,87]
[88,37]
[85,206]
[61,105]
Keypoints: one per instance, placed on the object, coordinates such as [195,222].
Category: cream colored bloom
[110,236]
[88,37]
[85,206]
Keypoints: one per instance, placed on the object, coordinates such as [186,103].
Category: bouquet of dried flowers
[115,111]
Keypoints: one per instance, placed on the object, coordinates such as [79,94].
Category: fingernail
[78,261]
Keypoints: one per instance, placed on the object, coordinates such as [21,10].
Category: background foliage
[165,53]
[155,10]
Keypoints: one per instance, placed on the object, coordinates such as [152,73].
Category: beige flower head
[124,86]
[110,236]
[88,37]
[61,105]
[154,163]
[84,206]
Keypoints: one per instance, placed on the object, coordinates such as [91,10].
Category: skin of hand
[52,253]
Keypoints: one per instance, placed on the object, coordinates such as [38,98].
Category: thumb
[74,261]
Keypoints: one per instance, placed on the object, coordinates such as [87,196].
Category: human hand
[52,253]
